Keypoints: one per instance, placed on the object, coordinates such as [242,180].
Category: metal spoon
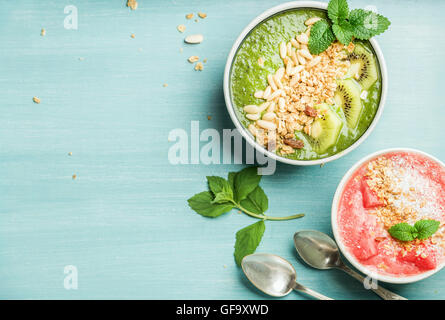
[320,251]
[274,275]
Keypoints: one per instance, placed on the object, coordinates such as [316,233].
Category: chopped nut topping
[36,100]
[292,92]
[189,16]
[310,112]
[296,144]
[193,59]
[133,4]
[181,28]
[199,66]
[133,35]
[202,15]
[43,32]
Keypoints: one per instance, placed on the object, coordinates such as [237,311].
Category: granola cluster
[401,202]
[292,92]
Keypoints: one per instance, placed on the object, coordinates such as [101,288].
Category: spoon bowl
[271,274]
[274,275]
[317,249]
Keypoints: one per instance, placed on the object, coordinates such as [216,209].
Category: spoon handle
[301,288]
[382,292]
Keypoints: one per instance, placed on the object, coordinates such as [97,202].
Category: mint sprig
[240,191]
[422,229]
[344,25]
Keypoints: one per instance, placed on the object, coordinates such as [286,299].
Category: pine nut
[301,59]
[305,53]
[302,38]
[267,92]
[295,43]
[271,82]
[294,58]
[289,48]
[283,50]
[253,117]
[281,103]
[289,67]
[280,73]
[259,94]
[253,130]
[269,116]
[266,125]
[194,38]
[263,106]
[276,94]
[251,109]
[311,21]
[314,62]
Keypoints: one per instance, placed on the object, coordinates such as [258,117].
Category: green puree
[247,76]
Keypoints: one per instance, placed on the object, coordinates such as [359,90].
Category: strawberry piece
[370,198]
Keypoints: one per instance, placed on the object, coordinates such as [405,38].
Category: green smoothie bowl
[295,106]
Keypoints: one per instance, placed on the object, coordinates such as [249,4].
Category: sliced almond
[189,16]
[202,15]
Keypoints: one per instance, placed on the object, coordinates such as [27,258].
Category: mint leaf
[202,204]
[403,232]
[245,182]
[426,228]
[367,24]
[218,184]
[338,10]
[344,32]
[256,201]
[321,37]
[223,197]
[248,239]
[231,179]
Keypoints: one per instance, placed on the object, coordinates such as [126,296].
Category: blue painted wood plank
[124,222]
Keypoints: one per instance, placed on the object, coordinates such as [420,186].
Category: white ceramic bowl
[247,135]
[338,238]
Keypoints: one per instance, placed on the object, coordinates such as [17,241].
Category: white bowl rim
[244,132]
[338,239]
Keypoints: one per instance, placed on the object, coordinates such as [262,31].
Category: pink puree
[365,236]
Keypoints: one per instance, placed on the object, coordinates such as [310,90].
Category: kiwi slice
[348,97]
[325,129]
[363,67]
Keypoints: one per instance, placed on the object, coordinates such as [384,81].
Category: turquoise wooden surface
[124,222]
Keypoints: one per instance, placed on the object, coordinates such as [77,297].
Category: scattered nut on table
[194,38]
